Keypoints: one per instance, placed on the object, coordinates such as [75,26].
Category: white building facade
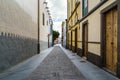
[19,30]
[63,40]
[45,26]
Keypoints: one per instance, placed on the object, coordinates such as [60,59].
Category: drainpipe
[38,43]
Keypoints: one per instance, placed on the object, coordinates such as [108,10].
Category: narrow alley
[56,63]
[59,40]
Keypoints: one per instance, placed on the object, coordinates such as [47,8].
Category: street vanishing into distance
[59,40]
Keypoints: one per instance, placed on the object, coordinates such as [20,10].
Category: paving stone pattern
[56,66]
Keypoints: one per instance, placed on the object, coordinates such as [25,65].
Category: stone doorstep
[89,70]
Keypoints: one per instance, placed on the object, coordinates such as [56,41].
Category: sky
[58,10]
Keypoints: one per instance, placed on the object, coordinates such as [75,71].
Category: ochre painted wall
[94,28]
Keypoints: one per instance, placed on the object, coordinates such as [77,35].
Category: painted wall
[74,16]
[63,42]
[29,6]
[44,29]
[14,19]
[92,4]
[93,20]
[94,27]
[18,34]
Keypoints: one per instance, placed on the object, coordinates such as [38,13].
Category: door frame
[118,64]
[103,32]
[85,23]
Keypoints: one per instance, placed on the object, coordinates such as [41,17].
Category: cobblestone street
[56,66]
[59,40]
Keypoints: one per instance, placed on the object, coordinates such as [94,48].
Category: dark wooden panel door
[85,40]
[115,17]
[111,40]
[76,40]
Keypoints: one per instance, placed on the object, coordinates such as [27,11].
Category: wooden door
[76,40]
[111,40]
[85,40]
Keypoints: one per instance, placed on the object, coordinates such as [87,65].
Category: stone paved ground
[56,66]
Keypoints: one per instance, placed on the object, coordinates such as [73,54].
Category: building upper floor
[45,16]
[79,9]
[85,6]
[46,22]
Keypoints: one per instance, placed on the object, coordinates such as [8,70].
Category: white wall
[44,29]
[30,6]
[18,21]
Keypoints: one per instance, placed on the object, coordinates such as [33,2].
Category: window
[85,7]
[43,19]
[51,29]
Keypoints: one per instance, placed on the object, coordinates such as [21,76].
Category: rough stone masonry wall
[18,35]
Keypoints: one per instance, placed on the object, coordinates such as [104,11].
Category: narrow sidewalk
[89,70]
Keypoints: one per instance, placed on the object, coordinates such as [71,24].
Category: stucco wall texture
[44,29]
[18,34]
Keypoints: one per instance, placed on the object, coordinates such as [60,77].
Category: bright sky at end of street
[58,10]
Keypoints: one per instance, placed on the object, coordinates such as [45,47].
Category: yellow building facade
[92,32]
[73,25]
